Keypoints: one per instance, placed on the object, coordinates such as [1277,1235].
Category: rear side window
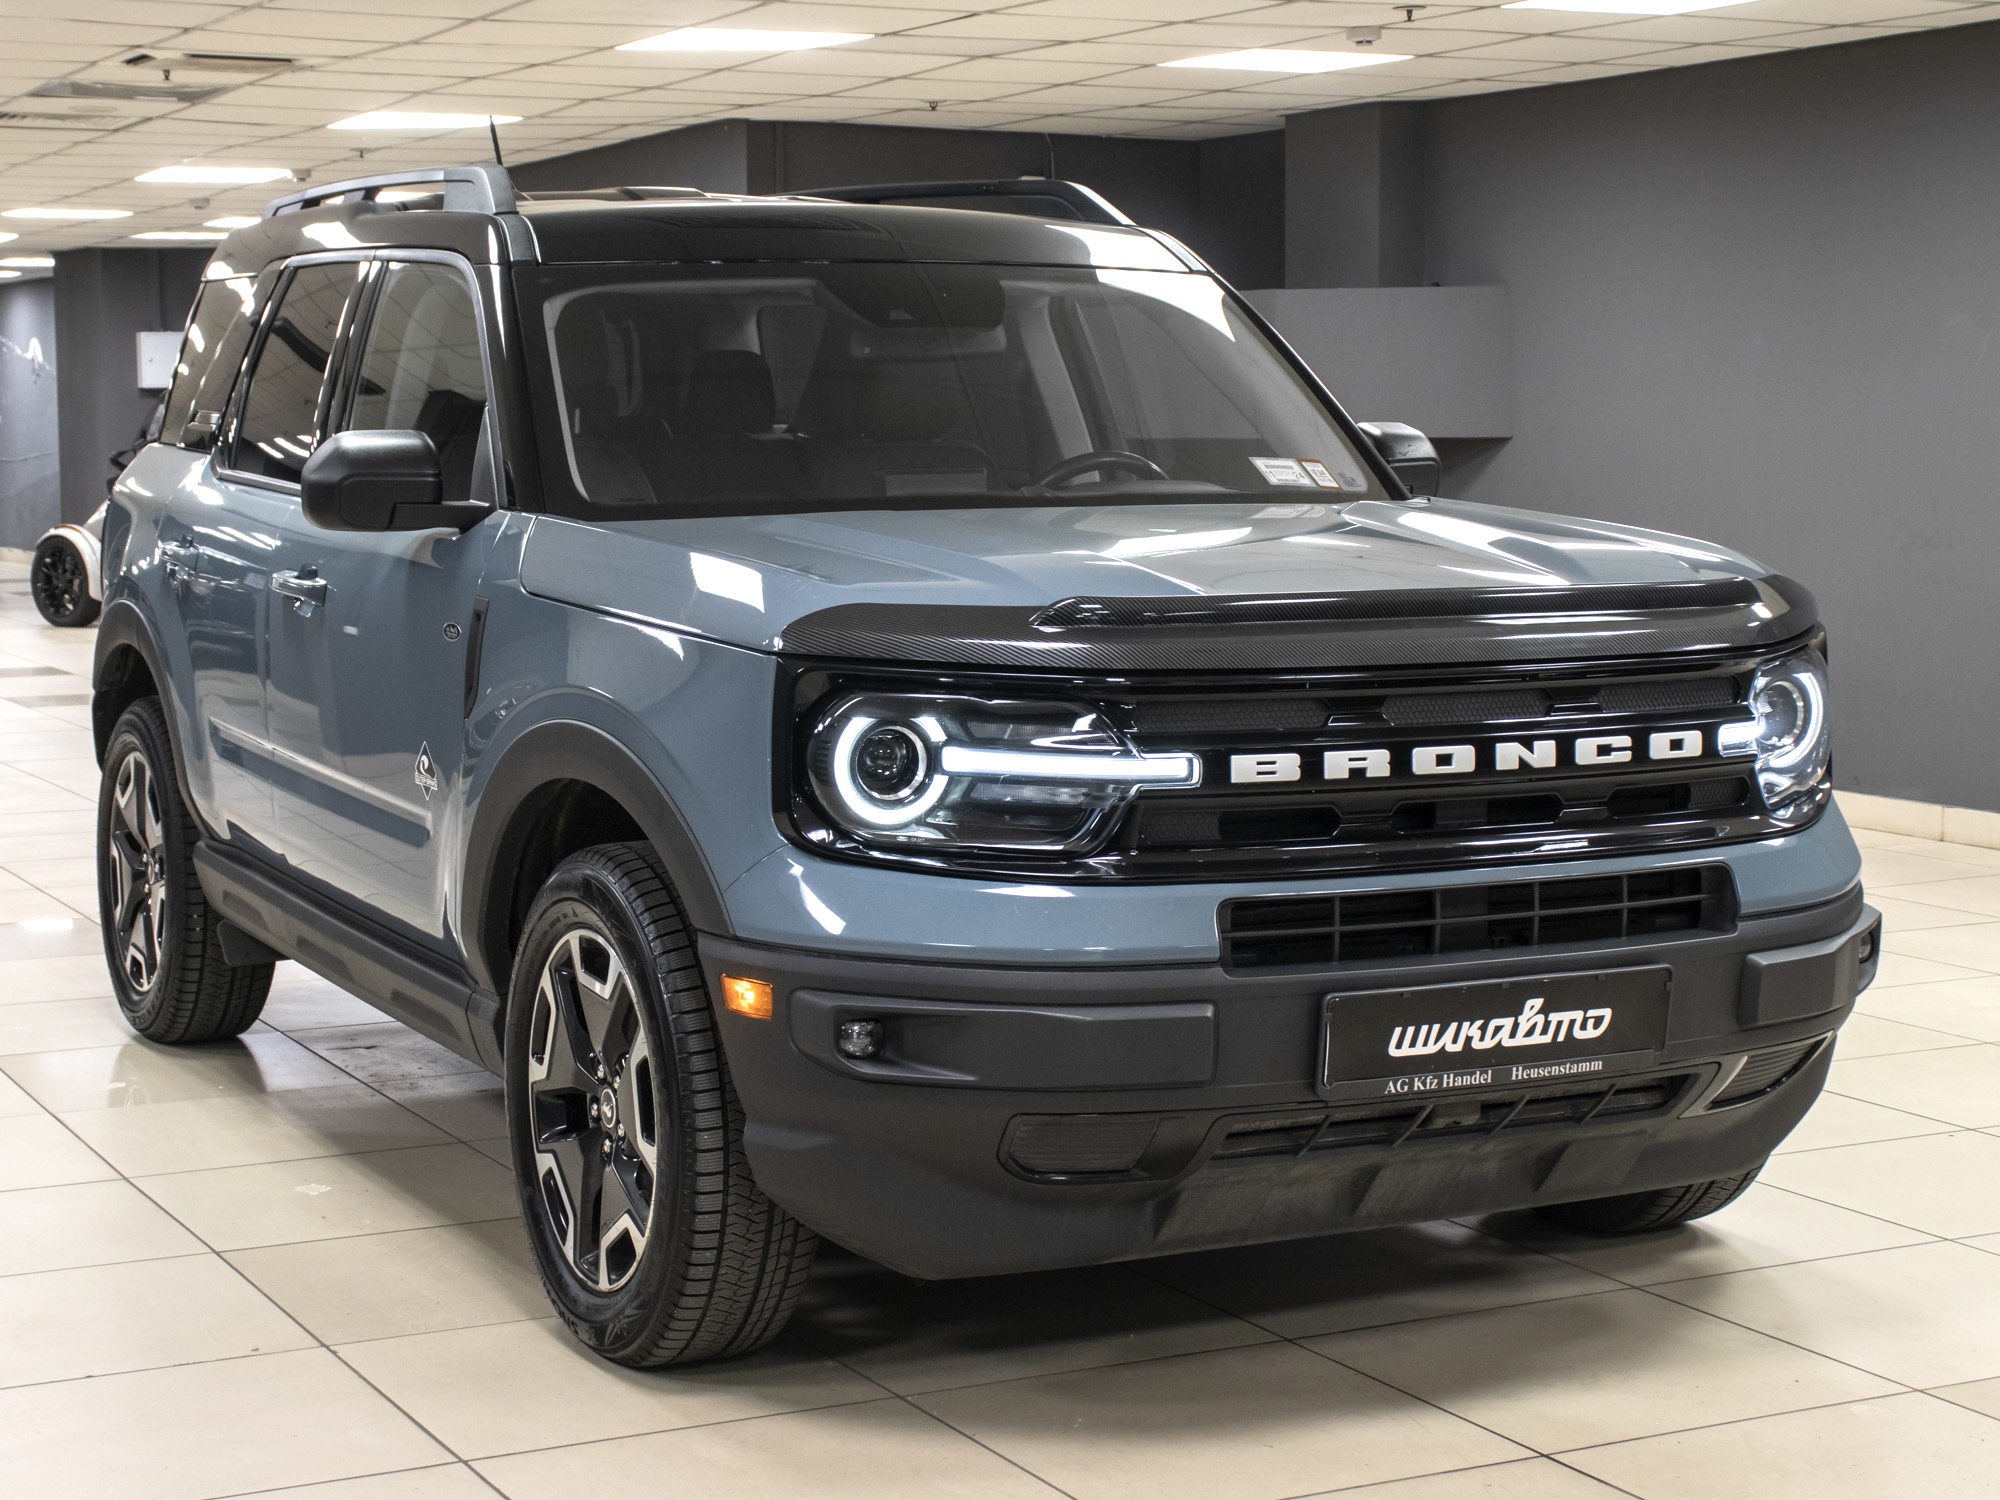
[280,417]
[420,367]
[218,334]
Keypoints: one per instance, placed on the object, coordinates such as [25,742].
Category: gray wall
[103,298]
[30,482]
[1224,197]
[1759,301]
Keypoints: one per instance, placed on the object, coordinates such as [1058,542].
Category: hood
[774,583]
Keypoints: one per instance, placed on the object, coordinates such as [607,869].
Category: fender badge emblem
[427,776]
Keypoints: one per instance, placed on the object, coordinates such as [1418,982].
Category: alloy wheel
[60,583]
[138,849]
[592,1109]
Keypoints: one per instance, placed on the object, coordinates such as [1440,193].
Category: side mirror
[1409,453]
[385,480]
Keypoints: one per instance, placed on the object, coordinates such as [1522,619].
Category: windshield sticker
[1320,474]
[1282,471]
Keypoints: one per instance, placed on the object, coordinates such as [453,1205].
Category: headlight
[1030,776]
[1788,737]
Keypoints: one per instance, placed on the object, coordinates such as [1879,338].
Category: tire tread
[198,997]
[743,1260]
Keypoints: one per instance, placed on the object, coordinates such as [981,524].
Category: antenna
[494,131]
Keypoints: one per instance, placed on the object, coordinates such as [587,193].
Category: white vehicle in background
[66,578]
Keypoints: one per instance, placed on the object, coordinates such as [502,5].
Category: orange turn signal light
[747,997]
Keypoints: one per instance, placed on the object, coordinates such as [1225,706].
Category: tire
[160,937]
[1640,1213]
[653,1241]
[61,584]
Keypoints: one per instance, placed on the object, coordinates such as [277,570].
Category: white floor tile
[1911,1445]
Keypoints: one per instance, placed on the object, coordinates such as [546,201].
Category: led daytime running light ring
[862,803]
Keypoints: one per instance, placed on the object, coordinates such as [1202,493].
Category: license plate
[1497,1033]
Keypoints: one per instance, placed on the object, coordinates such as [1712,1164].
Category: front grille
[1279,932]
[1763,1071]
[1311,1132]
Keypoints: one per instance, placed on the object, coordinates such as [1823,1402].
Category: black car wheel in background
[61,584]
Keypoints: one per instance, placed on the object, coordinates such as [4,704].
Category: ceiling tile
[1563,49]
[1836,12]
[1032,28]
[1724,26]
[1143,10]
[1027,74]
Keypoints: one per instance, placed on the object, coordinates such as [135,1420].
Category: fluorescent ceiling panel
[400,119]
[193,172]
[27,262]
[179,234]
[66,213]
[1286,60]
[736,39]
[234,221]
[1625,7]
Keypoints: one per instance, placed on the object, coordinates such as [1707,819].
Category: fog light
[747,997]
[860,1039]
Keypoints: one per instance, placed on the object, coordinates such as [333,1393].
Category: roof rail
[1082,202]
[482,189]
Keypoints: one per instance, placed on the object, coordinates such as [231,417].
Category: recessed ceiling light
[9,275]
[399,119]
[234,221]
[180,234]
[67,213]
[1624,7]
[28,262]
[6,235]
[196,173]
[732,39]
[1285,60]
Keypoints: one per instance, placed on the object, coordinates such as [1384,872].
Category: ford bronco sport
[929,727]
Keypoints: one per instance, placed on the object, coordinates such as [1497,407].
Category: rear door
[368,674]
[212,642]
[231,526]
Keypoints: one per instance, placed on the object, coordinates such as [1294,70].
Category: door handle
[179,560]
[306,590]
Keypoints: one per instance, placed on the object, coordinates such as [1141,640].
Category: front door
[369,630]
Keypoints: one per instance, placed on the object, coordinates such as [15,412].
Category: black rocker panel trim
[423,992]
[1392,627]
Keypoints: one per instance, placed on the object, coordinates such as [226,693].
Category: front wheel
[60,583]
[1640,1213]
[653,1241]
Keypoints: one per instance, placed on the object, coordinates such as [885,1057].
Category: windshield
[688,390]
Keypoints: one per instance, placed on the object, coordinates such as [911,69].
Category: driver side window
[421,369]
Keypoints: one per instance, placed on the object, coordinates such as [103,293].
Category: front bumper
[1030,1118]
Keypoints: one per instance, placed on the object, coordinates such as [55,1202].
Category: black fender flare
[123,624]
[569,750]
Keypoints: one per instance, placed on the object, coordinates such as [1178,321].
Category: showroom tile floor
[292,1263]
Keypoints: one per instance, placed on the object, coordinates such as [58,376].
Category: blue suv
[906,714]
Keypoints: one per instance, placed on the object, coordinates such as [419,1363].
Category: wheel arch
[127,666]
[563,786]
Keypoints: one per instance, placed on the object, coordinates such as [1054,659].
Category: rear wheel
[160,936]
[653,1240]
[61,584]
[1639,1213]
